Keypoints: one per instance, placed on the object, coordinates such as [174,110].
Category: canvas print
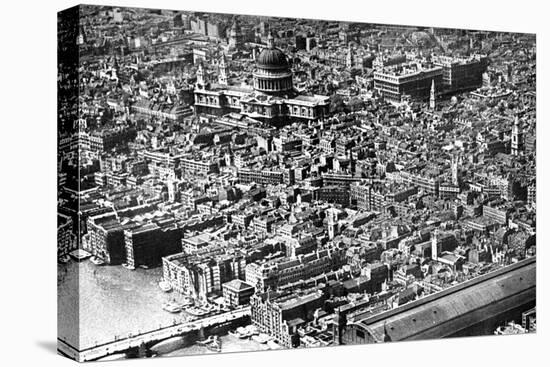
[234,183]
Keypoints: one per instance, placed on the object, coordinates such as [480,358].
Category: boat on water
[246,332]
[241,333]
[207,341]
[165,286]
[188,302]
[213,342]
[172,307]
[197,311]
[261,338]
[215,345]
[272,344]
[97,261]
[251,330]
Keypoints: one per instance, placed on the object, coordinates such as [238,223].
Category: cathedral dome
[272,74]
[272,59]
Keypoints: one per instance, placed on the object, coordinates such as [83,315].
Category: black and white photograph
[275,183]
[244,183]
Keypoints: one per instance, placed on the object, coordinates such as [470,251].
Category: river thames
[114,302]
[230,344]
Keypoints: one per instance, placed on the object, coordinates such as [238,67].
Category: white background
[28,179]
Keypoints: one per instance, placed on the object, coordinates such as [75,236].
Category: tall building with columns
[273,75]
[271,98]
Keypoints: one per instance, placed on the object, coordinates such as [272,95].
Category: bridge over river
[135,341]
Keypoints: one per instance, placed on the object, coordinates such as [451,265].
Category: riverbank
[112,302]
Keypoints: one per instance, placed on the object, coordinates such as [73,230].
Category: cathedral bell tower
[200,77]
[222,77]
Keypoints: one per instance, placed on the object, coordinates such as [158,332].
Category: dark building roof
[272,59]
[429,317]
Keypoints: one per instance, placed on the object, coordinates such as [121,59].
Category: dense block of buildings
[106,233]
[462,73]
[168,111]
[275,273]
[66,239]
[147,244]
[202,274]
[261,176]
[318,179]
[412,79]
[280,315]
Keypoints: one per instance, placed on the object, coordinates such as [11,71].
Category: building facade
[202,275]
[272,97]
[237,293]
[280,314]
[412,79]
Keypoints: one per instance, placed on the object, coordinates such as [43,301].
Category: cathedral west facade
[271,99]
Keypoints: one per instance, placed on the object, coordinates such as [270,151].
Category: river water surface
[115,302]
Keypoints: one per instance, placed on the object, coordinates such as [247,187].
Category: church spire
[200,76]
[222,78]
[115,63]
[455,163]
[432,96]
[331,224]
[292,218]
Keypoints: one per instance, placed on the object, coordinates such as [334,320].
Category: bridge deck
[124,344]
